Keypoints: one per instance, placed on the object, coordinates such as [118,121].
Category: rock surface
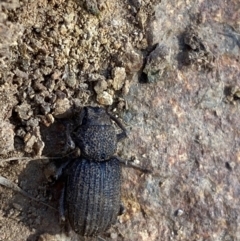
[59,55]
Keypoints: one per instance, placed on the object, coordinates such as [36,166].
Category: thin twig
[9,184]
[34,158]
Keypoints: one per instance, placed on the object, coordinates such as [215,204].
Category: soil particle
[132,60]
[100,86]
[6,137]
[119,76]
[62,108]
[105,98]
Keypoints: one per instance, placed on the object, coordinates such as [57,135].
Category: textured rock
[158,63]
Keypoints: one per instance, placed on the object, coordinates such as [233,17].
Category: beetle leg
[100,239]
[59,173]
[122,209]
[53,172]
[132,165]
[62,217]
[69,141]
[123,134]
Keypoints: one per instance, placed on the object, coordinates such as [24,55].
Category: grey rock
[157,64]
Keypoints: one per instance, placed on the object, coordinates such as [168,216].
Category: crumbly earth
[169,69]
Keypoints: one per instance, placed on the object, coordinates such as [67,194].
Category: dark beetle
[91,197]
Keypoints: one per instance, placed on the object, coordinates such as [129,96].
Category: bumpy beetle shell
[92,195]
[96,135]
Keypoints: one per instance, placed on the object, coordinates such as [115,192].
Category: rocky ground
[168,69]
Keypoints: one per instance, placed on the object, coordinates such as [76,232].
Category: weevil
[91,197]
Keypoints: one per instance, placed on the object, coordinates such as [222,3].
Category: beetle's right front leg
[64,224]
[123,134]
[133,165]
[62,218]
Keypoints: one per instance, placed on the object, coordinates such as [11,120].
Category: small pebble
[179,212]
[24,111]
[62,108]
[105,98]
[100,86]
